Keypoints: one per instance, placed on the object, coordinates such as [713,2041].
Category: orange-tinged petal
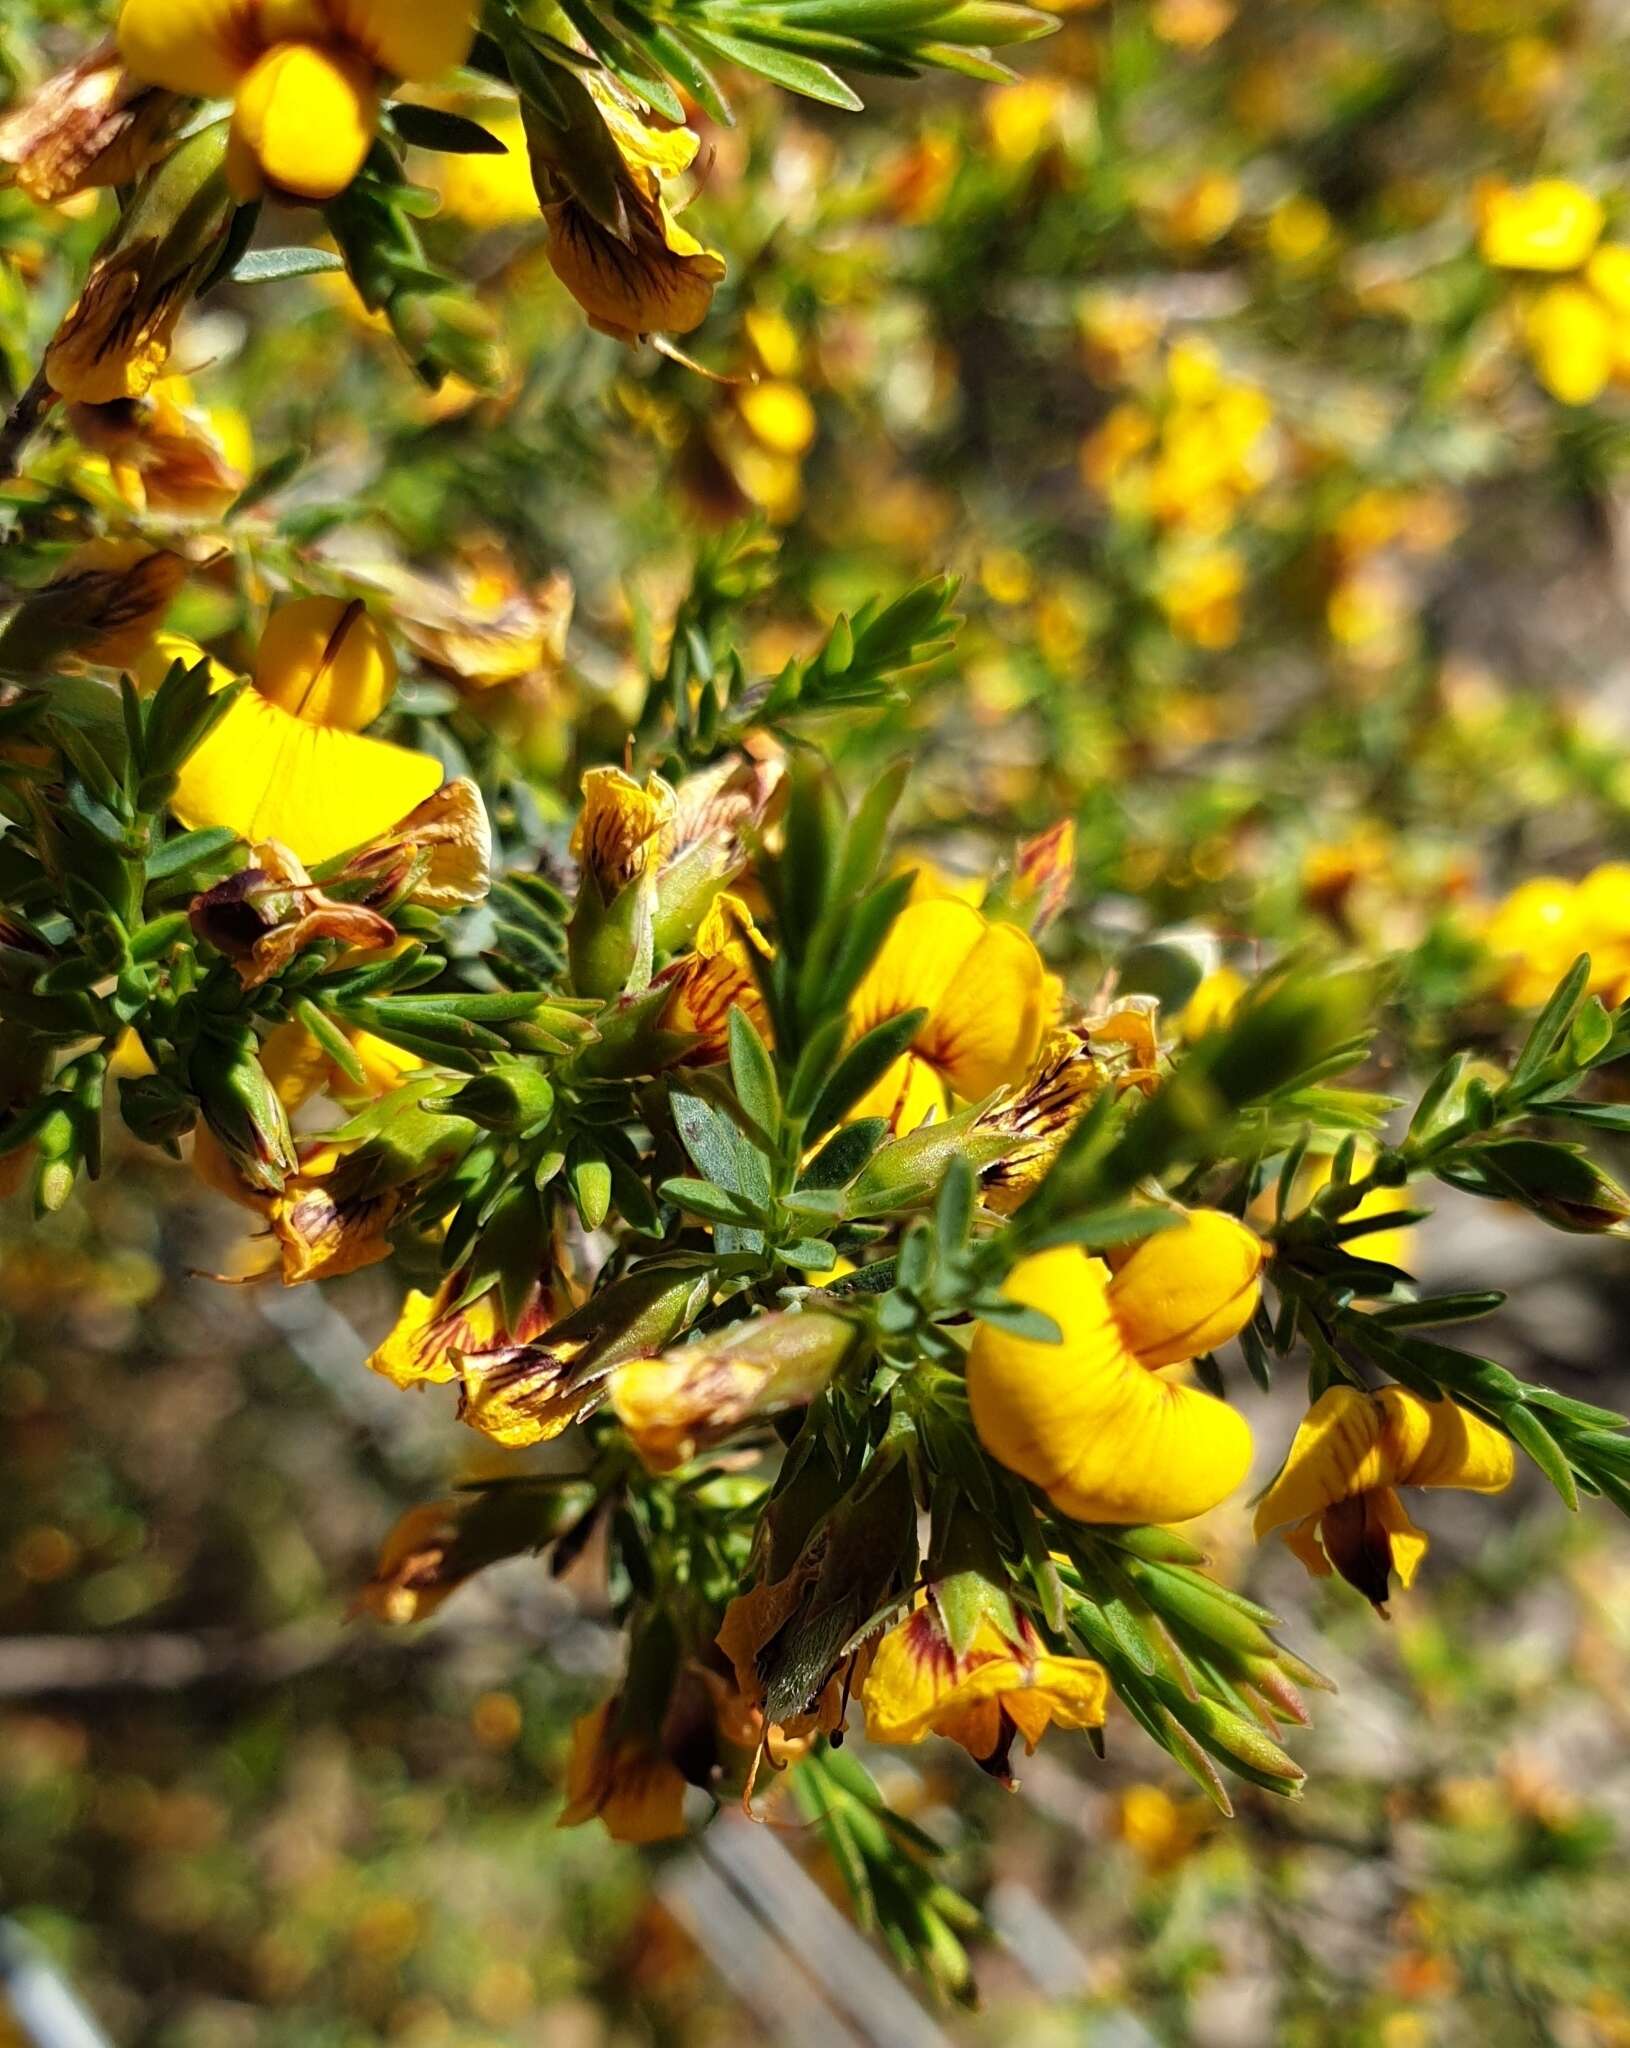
[925,950]
[1337,1451]
[327,662]
[421,40]
[1107,1440]
[1409,1544]
[1439,1443]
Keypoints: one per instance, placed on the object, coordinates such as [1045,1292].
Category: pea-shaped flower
[1335,1497]
[304,76]
[289,761]
[1188,1289]
[1104,1436]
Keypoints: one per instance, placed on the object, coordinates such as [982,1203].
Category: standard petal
[189,45]
[307,117]
[1438,1443]
[987,1028]
[419,41]
[267,775]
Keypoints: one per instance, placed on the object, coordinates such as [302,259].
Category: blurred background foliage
[1292,541]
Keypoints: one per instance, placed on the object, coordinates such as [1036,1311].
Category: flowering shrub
[882,1239]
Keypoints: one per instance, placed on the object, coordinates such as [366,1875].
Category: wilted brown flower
[88,126]
[269,911]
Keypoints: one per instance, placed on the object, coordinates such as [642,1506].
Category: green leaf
[272,266]
[844,1154]
[803,75]
[753,1072]
[862,1067]
[705,1198]
[438,129]
[1530,1433]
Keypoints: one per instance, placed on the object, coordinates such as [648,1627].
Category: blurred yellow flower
[1552,224]
[489,191]
[619,1775]
[304,78]
[1541,928]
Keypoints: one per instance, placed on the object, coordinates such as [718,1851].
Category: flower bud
[1188,1289]
[687,1399]
[241,1106]
[447,335]
[617,843]
[513,1095]
[906,1172]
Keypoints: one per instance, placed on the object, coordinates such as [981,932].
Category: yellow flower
[1199,588]
[89,126]
[618,835]
[1085,1419]
[489,191]
[1040,1116]
[416,1571]
[1573,339]
[714,978]
[331,1216]
[988,1001]
[483,626]
[647,275]
[304,75]
[1542,927]
[657,280]
[620,1776]
[438,856]
[435,1333]
[998,1681]
[288,761]
[1335,1495]
[1550,225]
[1212,1004]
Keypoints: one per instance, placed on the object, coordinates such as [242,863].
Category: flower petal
[267,775]
[1108,1440]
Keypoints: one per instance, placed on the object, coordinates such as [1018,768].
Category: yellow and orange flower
[969,1665]
[1335,1497]
[989,1000]
[289,760]
[304,76]
[1086,1419]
